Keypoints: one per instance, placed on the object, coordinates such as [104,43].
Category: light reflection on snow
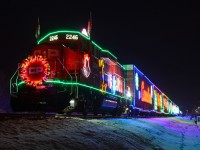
[75,133]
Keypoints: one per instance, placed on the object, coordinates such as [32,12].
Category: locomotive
[68,72]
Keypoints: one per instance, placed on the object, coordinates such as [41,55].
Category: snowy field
[176,133]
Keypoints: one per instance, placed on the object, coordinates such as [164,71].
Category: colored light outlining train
[68,72]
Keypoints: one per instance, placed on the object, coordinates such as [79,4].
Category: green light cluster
[80,84]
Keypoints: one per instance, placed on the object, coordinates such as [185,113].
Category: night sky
[160,38]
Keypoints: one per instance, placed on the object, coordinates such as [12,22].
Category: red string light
[34,70]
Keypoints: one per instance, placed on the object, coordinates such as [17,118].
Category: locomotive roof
[74,35]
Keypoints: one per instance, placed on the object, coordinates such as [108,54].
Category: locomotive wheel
[85,113]
[95,113]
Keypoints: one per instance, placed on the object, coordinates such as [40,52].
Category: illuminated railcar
[158,100]
[166,103]
[143,90]
[147,98]
[68,72]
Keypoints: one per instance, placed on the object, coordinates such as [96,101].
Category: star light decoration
[34,70]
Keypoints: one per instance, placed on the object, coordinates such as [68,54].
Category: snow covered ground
[174,133]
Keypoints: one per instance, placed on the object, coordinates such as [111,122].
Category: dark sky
[160,38]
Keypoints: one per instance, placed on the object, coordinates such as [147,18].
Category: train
[68,72]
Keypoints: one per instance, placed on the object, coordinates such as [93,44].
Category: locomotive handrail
[66,71]
[76,77]
[12,79]
[75,67]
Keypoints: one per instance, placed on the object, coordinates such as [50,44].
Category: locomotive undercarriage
[66,99]
[90,101]
[39,100]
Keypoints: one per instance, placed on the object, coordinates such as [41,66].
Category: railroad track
[29,115]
